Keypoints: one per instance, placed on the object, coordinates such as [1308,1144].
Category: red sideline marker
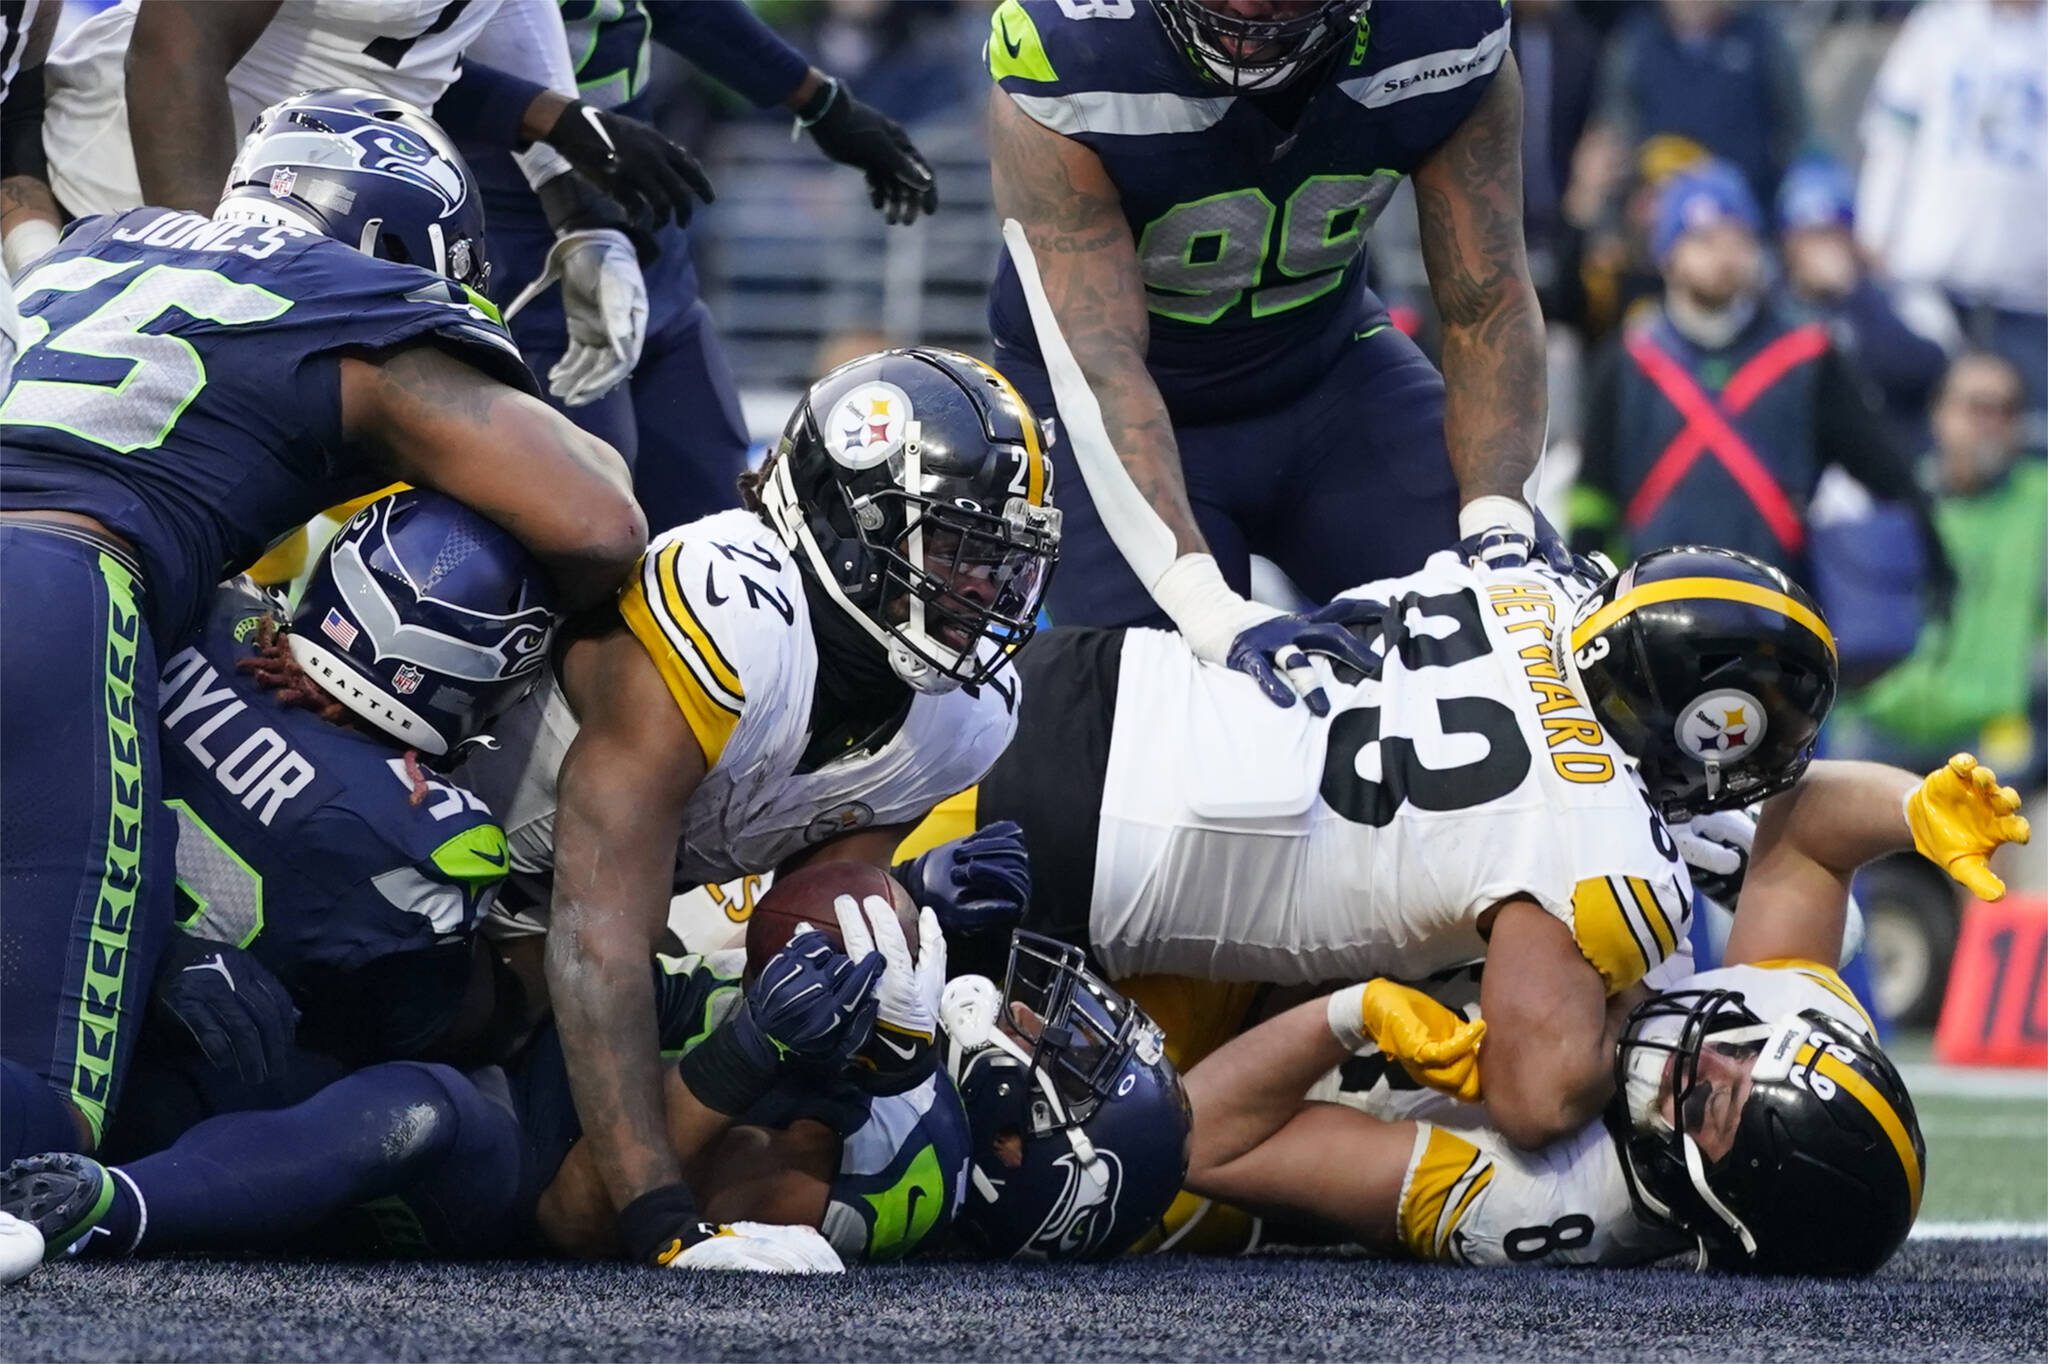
[1996,1009]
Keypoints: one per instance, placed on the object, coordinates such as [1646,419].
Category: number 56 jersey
[1242,841]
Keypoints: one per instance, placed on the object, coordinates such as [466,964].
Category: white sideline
[1980,1231]
[1974,1082]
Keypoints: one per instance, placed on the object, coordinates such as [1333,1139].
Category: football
[805,896]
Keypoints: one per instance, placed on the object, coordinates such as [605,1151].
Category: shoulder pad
[1063,47]
[714,603]
[1413,50]
[1624,925]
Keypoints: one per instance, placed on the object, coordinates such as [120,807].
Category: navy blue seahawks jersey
[903,1157]
[1250,219]
[179,380]
[298,839]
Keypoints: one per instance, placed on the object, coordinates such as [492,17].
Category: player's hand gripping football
[809,1004]
[903,1050]
[973,883]
[1959,816]
[1437,1047]
[900,181]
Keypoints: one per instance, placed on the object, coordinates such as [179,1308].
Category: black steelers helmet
[1827,1163]
[915,485]
[1712,670]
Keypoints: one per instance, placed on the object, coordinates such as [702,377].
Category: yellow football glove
[1438,1047]
[1959,816]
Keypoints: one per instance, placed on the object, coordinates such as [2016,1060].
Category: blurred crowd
[1794,266]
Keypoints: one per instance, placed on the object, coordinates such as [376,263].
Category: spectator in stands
[1954,187]
[1715,71]
[1975,682]
[1710,419]
[1559,56]
[1898,336]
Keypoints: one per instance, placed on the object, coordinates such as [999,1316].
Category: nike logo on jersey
[905,1052]
[1012,45]
[712,596]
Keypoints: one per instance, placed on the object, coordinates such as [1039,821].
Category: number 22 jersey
[1242,841]
[180,381]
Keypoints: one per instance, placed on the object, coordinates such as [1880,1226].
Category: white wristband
[1484,513]
[1345,1013]
[1204,608]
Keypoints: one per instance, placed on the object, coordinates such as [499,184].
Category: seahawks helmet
[1712,670]
[1080,1125]
[366,169]
[1826,1166]
[1260,54]
[424,619]
[914,485]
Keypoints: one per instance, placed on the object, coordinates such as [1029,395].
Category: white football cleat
[21,1248]
[763,1248]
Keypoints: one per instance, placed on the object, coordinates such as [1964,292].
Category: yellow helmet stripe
[1855,1086]
[1034,475]
[1712,589]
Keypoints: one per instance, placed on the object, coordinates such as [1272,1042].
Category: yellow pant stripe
[1445,1160]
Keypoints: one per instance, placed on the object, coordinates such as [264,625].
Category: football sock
[33,1120]
[244,1181]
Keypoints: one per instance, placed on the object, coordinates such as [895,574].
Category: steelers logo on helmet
[869,424]
[1721,726]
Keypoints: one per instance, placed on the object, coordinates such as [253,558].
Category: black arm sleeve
[21,127]
[1850,434]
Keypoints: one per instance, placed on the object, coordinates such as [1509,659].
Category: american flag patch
[338,630]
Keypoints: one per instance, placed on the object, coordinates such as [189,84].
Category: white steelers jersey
[1470,1197]
[408,48]
[1242,841]
[720,606]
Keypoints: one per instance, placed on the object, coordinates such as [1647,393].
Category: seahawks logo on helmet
[1085,1212]
[386,150]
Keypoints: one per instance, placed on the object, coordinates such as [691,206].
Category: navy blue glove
[238,1013]
[974,883]
[809,1004]
[1283,644]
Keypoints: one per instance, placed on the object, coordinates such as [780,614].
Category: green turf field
[1987,1139]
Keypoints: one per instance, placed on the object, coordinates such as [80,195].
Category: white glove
[604,300]
[910,992]
[763,1248]
[21,1248]
[1716,846]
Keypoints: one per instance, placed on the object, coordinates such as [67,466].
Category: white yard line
[1981,1231]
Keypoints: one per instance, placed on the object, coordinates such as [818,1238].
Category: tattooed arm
[565,495]
[179,118]
[629,771]
[1073,216]
[1468,198]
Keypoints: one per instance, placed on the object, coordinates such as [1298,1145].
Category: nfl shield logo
[281,181]
[406,680]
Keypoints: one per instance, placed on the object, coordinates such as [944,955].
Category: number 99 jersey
[1241,841]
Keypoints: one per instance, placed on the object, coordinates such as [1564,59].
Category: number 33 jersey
[1242,841]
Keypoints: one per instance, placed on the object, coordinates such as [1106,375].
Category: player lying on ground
[819,669]
[1755,1115]
[1078,1139]
[1497,784]
[270,368]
